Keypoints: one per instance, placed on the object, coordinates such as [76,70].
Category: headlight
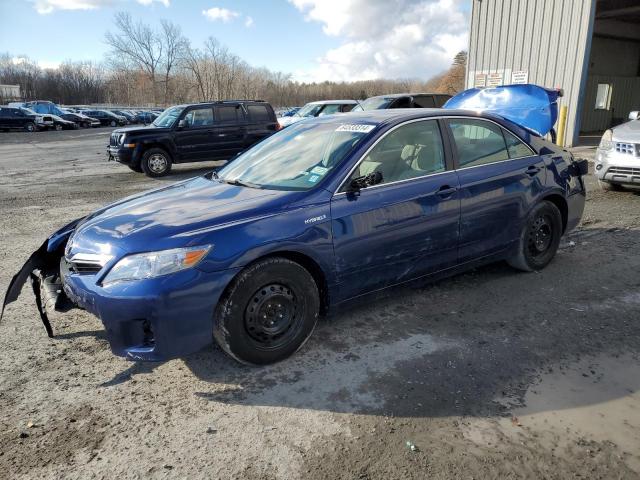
[606,142]
[121,139]
[154,264]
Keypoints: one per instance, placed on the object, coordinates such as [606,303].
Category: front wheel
[539,239]
[30,127]
[113,123]
[268,312]
[58,127]
[155,163]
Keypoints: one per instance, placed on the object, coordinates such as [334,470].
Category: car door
[230,130]
[407,225]
[500,178]
[5,121]
[194,136]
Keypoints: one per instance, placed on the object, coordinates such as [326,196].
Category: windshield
[168,117]
[296,158]
[28,111]
[309,110]
[375,103]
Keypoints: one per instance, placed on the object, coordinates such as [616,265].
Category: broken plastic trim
[43,270]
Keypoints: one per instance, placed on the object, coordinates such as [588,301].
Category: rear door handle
[532,170]
[446,191]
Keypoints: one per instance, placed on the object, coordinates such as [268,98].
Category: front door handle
[446,191]
[532,170]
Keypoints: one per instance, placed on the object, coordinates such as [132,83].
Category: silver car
[618,155]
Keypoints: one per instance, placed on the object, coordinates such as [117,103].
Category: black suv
[14,118]
[105,117]
[404,100]
[192,133]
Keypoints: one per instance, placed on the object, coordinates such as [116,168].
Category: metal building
[589,48]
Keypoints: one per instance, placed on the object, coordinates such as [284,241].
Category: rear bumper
[153,319]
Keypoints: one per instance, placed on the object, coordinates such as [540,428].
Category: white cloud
[50,64]
[166,3]
[383,39]
[44,7]
[223,14]
[248,22]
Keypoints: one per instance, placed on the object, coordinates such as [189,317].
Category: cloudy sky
[314,40]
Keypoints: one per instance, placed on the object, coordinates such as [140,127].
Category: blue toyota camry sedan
[319,213]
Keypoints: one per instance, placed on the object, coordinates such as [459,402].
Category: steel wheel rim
[157,163]
[273,316]
[540,236]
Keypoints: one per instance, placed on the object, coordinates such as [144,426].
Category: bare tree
[138,45]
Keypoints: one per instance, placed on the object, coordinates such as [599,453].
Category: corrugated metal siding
[625,97]
[549,39]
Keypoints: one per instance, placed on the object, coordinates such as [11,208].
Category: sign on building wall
[480,80]
[494,79]
[519,77]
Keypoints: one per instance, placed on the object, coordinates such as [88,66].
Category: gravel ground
[490,374]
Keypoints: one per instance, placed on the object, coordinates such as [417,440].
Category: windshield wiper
[241,183]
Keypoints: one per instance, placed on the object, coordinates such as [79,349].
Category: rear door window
[227,113]
[477,142]
[259,113]
[515,146]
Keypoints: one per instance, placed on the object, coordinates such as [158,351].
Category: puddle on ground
[595,399]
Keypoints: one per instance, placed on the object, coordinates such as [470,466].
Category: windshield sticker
[355,128]
[319,170]
[313,178]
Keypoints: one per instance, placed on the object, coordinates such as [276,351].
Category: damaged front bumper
[152,319]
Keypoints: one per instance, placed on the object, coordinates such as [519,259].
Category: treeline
[150,66]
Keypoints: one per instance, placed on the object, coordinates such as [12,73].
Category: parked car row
[45,115]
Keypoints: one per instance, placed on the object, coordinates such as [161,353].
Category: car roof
[324,102]
[398,115]
[398,95]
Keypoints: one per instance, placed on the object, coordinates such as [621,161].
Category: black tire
[539,239]
[610,187]
[155,163]
[86,125]
[135,168]
[113,123]
[267,313]
[57,127]
[30,127]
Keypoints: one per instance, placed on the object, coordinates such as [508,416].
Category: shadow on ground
[449,348]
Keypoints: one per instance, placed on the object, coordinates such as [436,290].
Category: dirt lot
[491,374]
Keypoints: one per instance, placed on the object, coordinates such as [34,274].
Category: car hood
[182,214]
[286,121]
[141,130]
[627,132]
[531,107]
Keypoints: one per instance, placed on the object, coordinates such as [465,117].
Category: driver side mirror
[635,115]
[365,181]
[182,124]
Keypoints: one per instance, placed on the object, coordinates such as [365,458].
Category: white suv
[618,155]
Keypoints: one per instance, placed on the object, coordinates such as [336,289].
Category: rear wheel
[610,187]
[539,239]
[155,162]
[113,123]
[268,312]
[30,127]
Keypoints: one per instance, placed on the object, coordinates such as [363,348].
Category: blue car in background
[327,210]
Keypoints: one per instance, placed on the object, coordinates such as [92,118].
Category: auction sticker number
[356,128]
